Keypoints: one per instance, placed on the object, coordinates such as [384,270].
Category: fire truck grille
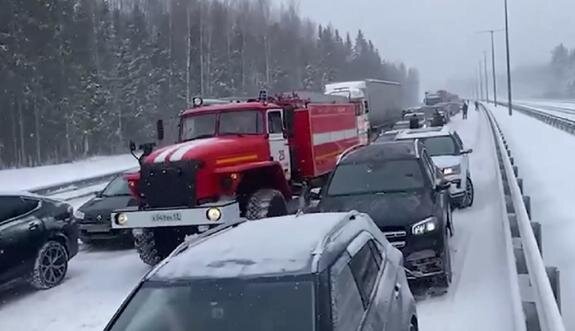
[169,185]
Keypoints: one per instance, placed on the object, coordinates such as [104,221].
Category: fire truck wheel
[266,203]
[150,246]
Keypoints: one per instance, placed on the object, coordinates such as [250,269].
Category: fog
[439,37]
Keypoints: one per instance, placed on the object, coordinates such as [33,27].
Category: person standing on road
[476,105]
[464,108]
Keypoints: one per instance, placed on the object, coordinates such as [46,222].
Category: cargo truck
[379,102]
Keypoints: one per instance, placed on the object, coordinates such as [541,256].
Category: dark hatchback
[38,236]
[94,215]
[398,185]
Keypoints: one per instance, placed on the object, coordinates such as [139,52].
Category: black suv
[398,185]
[38,237]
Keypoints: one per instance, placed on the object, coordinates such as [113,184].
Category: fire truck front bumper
[204,215]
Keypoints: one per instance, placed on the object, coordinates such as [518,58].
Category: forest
[83,77]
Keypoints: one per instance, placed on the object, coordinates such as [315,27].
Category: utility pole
[481,95]
[509,102]
[494,74]
[493,68]
[486,75]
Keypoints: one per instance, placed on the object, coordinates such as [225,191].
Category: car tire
[469,193]
[266,203]
[153,245]
[50,266]
[413,325]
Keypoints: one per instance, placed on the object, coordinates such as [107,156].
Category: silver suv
[309,272]
[449,155]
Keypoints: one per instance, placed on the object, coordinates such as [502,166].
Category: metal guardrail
[559,122]
[75,185]
[538,285]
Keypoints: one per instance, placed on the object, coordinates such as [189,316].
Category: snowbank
[24,179]
[545,158]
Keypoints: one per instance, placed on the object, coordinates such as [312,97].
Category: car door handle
[33,226]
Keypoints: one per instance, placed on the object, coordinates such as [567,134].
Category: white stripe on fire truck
[163,155]
[333,136]
[179,154]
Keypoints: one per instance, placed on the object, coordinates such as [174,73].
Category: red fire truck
[239,159]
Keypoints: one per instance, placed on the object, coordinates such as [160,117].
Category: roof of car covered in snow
[380,151]
[288,245]
[425,133]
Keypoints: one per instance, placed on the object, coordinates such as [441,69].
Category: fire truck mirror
[160,129]
[132,146]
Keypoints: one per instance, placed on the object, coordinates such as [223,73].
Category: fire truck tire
[266,203]
[150,246]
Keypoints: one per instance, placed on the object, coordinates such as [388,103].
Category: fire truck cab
[232,160]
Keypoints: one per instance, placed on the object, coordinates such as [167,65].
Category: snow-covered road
[99,279]
[545,158]
[479,298]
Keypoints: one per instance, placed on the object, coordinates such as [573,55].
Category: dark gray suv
[306,272]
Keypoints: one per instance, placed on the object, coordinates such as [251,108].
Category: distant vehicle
[94,216]
[308,272]
[379,101]
[38,236]
[448,153]
[398,185]
[400,125]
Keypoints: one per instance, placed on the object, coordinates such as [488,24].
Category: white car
[449,155]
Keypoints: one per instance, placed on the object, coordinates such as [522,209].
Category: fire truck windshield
[236,122]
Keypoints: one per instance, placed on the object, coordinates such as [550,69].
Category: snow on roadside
[545,158]
[24,179]
[97,282]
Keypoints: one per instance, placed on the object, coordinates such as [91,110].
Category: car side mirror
[160,130]
[132,146]
[99,194]
[467,151]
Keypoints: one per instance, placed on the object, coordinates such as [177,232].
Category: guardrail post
[555,280]
[536,226]
[527,202]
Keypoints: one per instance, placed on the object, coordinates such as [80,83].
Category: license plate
[167,217]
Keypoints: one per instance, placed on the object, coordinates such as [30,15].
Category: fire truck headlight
[121,219]
[214,214]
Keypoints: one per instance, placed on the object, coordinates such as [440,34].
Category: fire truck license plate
[165,217]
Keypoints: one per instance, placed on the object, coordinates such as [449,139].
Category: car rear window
[221,305]
[376,177]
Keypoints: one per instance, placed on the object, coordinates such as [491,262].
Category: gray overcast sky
[439,36]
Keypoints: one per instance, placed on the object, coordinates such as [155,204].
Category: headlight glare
[425,226]
[452,170]
[79,215]
[214,214]
[121,219]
